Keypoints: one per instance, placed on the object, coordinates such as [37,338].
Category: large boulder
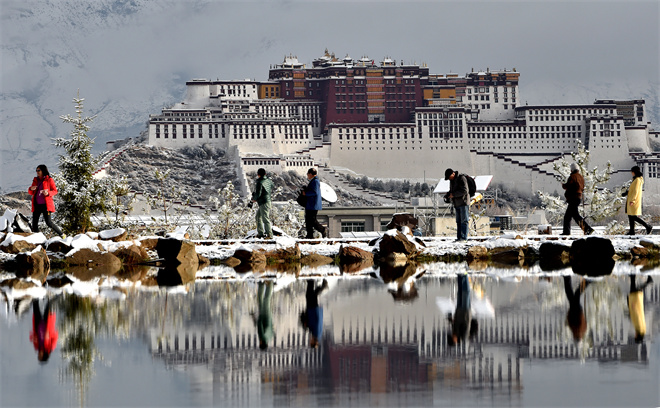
[396,243]
[477,252]
[86,264]
[175,251]
[593,256]
[17,246]
[134,273]
[89,258]
[35,265]
[174,275]
[284,255]
[247,256]
[231,261]
[553,256]
[351,254]
[640,252]
[403,220]
[17,284]
[250,260]
[353,259]
[507,255]
[59,246]
[132,255]
[149,243]
[314,260]
[116,235]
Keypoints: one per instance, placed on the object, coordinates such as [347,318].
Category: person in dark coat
[574,187]
[463,326]
[43,190]
[312,317]
[313,205]
[459,196]
[262,196]
[575,319]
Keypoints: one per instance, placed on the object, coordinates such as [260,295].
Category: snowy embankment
[113,287]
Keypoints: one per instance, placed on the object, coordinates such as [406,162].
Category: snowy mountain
[131,58]
[40,79]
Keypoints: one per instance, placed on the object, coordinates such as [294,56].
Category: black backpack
[472,186]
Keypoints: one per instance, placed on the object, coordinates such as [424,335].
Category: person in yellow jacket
[634,201]
[636,307]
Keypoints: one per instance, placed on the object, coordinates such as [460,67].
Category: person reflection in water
[636,307]
[575,317]
[312,317]
[264,320]
[462,323]
[44,334]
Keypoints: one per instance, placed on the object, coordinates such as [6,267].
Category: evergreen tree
[599,202]
[79,194]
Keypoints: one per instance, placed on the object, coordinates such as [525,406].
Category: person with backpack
[459,196]
[43,190]
[313,205]
[261,196]
[574,187]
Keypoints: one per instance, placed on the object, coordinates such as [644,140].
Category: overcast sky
[129,58]
[174,41]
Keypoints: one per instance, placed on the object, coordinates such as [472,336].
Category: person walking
[44,332]
[574,187]
[575,319]
[312,317]
[261,196]
[634,201]
[43,190]
[636,307]
[459,196]
[313,205]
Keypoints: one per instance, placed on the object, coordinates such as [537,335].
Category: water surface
[199,345]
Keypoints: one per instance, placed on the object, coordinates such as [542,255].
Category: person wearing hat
[634,201]
[574,187]
[459,196]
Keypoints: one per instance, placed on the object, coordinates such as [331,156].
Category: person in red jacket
[42,191]
[44,333]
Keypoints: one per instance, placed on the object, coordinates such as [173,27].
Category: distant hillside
[195,172]
[199,172]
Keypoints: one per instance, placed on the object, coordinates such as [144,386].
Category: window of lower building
[352,226]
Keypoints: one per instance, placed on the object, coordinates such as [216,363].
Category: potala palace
[395,120]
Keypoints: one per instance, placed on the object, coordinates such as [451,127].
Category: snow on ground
[110,287]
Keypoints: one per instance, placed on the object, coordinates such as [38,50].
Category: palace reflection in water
[373,345]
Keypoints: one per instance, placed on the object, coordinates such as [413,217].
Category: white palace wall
[397,155]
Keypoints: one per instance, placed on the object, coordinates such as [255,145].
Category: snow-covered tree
[121,202]
[599,202]
[79,194]
[165,198]
[234,218]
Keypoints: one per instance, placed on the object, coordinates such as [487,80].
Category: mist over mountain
[131,58]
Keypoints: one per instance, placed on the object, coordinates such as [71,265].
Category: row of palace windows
[251,162]
[606,126]
[541,112]
[411,148]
